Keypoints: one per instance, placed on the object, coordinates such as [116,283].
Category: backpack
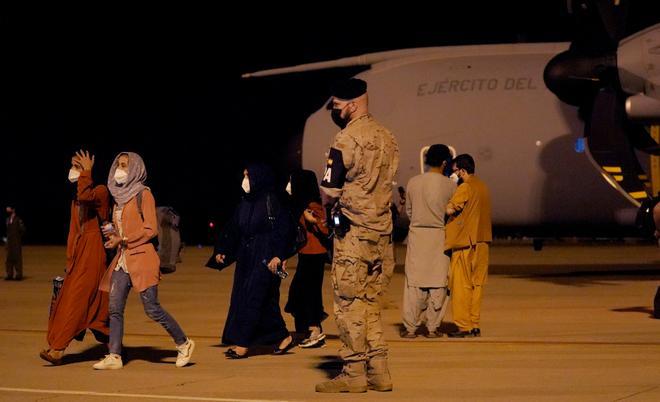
[297,238]
[168,242]
[169,239]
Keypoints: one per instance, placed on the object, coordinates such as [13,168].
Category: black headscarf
[262,180]
[304,189]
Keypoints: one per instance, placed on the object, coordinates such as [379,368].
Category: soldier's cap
[348,89]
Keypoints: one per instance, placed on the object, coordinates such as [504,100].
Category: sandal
[52,356]
[231,354]
[281,351]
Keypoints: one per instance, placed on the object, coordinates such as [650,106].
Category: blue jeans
[121,285]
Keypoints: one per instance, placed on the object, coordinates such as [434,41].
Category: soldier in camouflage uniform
[361,165]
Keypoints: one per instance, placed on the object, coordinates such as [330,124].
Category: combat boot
[353,378]
[378,375]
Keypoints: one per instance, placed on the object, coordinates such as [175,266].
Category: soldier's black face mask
[335,113]
[337,119]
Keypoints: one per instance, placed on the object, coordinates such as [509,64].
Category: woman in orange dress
[80,304]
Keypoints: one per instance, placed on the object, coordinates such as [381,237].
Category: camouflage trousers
[361,271]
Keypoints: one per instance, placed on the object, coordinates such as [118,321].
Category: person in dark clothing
[305,294]
[256,238]
[15,231]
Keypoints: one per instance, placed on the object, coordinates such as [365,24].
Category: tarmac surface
[572,322]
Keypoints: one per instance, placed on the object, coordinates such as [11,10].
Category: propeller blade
[611,149]
[599,25]
[641,139]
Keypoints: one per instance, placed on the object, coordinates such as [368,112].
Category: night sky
[166,83]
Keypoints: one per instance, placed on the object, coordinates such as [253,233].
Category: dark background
[166,83]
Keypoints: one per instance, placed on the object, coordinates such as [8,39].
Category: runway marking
[43,331]
[416,342]
[636,393]
[144,396]
[524,342]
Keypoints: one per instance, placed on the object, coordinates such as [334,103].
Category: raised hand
[84,159]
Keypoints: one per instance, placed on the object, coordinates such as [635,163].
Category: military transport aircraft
[491,101]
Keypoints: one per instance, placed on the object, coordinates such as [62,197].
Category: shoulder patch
[335,171]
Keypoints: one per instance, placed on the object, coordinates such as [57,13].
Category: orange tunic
[473,224]
[80,304]
[313,245]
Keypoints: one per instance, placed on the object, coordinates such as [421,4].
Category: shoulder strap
[269,211]
[139,204]
[154,240]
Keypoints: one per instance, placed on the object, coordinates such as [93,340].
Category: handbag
[58,282]
[298,237]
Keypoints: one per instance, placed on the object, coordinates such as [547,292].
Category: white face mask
[454,177]
[73,175]
[246,185]
[288,188]
[121,176]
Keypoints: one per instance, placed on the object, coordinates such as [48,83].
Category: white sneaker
[185,352]
[110,362]
[313,341]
